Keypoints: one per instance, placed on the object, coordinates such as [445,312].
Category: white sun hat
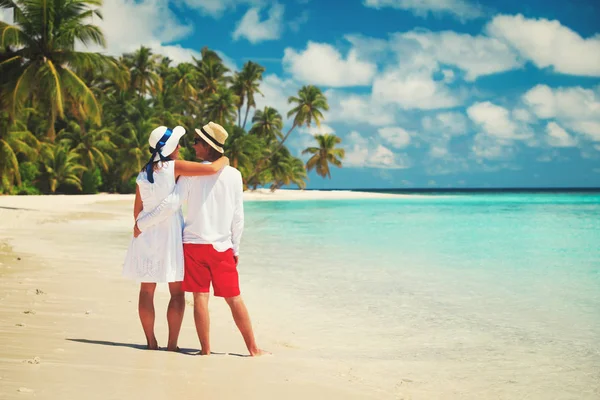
[213,134]
[166,139]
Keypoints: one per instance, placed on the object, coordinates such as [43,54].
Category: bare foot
[205,352]
[176,349]
[259,352]
[153,345]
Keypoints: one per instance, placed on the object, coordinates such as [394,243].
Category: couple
[208,250]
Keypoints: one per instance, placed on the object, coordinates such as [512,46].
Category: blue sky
[424,93]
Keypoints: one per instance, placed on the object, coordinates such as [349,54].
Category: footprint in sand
[22,325]
[29,312]
[24,390]
[38,291]
[34,360]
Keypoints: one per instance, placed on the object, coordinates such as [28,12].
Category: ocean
[436,295]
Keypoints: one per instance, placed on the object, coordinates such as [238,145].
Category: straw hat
[166,145]
[214,134]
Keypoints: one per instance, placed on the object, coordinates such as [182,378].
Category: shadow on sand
[17,208]
[186,351]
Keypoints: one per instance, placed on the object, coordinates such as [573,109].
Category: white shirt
[215,209]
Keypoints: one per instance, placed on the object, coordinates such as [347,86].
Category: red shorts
[204,264]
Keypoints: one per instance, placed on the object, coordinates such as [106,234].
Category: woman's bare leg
[146,311]
[175,314]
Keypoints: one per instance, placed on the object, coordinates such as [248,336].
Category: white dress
[157,254]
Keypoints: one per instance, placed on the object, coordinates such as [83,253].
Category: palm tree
[310,105]
[286,169]
[298,173]
[45,67]
[268,124]
[212,73]
[238,89]
[93,146]
[241,148]
[14,141]
[61,166]
[132,140]
[143,65]
[251,76]
[220,106]
[325,154]
[185,78]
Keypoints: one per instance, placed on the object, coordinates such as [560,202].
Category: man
[211,236]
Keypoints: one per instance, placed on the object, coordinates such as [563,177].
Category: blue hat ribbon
[157,150]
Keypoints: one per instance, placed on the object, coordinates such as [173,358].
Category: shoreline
[79,201]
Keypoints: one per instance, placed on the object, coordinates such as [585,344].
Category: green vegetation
[78,122]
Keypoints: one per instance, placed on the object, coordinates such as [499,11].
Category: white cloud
[571,102]
[489,147]
[439,130]
[322,64]
[521,114]
[318,130]
[446,124]
[176,53]
[448,75]
[476,55]
[498,132]
[460,9]
[361,152]
[355,108]
[558,137]
[128,24]
[414,90]
[496,121]
[438,152]
[576,108]
[254,30]
[395,136]
[385,157]
[276,92]
[369,47]
[549,44]
[216,8]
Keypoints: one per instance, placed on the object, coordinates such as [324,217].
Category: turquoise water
[505,287]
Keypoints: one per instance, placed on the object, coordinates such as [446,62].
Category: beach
[357,295]
[69,325]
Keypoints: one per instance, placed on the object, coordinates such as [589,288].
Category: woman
[156,255]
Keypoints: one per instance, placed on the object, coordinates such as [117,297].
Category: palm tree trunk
[285,138]
[52,121]
[240,116]
[246,117]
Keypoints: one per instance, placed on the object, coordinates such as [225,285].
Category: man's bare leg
[242,320]
[202,320]
[175,314]
[146,312]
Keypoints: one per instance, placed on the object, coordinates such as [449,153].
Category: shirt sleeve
[169,206]
[237,226]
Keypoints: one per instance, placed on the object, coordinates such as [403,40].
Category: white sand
[69,327]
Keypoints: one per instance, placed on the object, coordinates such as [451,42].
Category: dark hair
[155,165]
[212,155]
